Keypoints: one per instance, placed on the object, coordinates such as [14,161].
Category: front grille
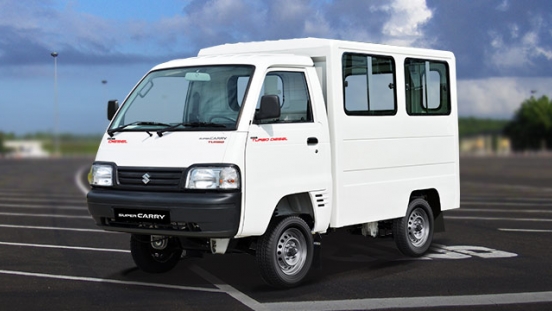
[156,179]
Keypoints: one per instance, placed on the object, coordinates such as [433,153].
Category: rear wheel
[154,253]
[285,252]
[413,233]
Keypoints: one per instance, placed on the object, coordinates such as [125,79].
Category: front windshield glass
[192,98]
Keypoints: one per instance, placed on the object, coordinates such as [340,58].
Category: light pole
[104,82]
[56,112]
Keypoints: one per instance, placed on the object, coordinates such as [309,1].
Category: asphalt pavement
[494,255]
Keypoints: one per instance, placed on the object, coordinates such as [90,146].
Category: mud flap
[316,261]
[439,223]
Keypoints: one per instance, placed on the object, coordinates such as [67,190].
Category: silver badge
[146,178]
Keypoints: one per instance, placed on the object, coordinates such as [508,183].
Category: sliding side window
[369,84]
[427,87]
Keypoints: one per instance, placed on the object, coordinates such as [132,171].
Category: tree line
[531,127]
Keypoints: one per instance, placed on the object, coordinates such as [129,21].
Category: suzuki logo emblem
[146,178]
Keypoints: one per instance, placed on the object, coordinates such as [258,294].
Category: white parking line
[56,228]
[414,302]
[506,203]
[498,218]
[525,230]
[78,180]
[26,193]
[494,197]
[79,248]
[34,199]
[109,281]
[504,210]
[236,294]
[482,185]
[45,215]
[57,207]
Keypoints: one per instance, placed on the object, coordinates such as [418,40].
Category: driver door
[285,155]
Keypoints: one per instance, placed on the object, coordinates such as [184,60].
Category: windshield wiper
[189,124]
[122,127]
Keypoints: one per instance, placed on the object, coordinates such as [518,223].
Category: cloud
[498,97]
[213,22]
[513,50]
[32,28]
[407,17]
[503,6]
[509,40]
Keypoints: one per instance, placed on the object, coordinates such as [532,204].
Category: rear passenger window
[427,87]
[369,84]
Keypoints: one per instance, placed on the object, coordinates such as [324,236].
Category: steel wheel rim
[291,251]
[418,227]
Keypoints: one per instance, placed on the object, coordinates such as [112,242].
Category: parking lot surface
[494,255]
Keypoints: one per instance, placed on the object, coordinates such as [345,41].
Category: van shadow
[344,258]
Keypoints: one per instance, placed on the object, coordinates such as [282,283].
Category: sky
[503,48]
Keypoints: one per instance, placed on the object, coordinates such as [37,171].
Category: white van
[262,147]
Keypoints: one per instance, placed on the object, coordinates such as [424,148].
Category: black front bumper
[215,215]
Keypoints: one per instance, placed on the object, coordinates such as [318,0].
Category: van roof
[263,59]
[315,47]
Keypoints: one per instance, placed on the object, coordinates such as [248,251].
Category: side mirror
[112,107]
[269,109]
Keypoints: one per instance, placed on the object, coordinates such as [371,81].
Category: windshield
[193,98]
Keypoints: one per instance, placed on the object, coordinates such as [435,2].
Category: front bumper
[212,215]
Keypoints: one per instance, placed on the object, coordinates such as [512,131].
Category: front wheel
[413,233]
[285,252]
[154,253]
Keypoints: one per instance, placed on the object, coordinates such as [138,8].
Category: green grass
[74,145]
[473,126]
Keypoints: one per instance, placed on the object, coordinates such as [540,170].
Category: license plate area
[138,216]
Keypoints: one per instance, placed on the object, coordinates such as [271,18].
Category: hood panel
[173,149]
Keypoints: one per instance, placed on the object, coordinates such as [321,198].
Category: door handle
[312,141]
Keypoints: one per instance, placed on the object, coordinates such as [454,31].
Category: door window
[293,94]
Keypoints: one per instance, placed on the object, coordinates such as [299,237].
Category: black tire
[154,254]
[285,252]
[413,233]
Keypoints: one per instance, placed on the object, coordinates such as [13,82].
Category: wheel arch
[433,199]
[298,204]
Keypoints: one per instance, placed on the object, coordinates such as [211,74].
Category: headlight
[101,175]
[213,178]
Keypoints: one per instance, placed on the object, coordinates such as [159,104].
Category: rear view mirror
[112,107]
[197,76]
